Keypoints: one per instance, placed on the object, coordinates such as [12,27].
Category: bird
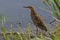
[36,19]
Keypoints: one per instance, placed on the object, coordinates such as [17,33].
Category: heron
[36,19]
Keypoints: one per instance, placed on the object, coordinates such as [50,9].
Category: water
[15,13]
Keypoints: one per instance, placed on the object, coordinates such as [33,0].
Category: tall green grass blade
[56,15]
[47,3]
[45,9]
[25,36]
[3,29]
[57,4]
[54,37]
[12,33]
[4,19]
[58,36]
[0,17]
[41,36]
[19,33]
[54,4]
[28,31]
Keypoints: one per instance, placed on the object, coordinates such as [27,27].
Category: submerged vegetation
[54,9]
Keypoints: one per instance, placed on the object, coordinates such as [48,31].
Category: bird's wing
[41,22]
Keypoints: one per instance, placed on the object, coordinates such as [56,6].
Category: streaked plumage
[37,19]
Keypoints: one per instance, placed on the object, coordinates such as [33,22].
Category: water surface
[15,13]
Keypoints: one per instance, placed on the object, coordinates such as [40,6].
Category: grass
[54,8]
[26,36]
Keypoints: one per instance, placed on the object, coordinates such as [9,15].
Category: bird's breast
[34,19]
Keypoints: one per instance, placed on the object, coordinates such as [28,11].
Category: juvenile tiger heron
[37,19]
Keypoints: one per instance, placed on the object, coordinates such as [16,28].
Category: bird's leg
[36,30]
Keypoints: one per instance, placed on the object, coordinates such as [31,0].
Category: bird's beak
[25,7]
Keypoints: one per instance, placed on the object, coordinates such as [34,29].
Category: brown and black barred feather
[37,20]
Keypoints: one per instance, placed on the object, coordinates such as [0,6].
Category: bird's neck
[33,11]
